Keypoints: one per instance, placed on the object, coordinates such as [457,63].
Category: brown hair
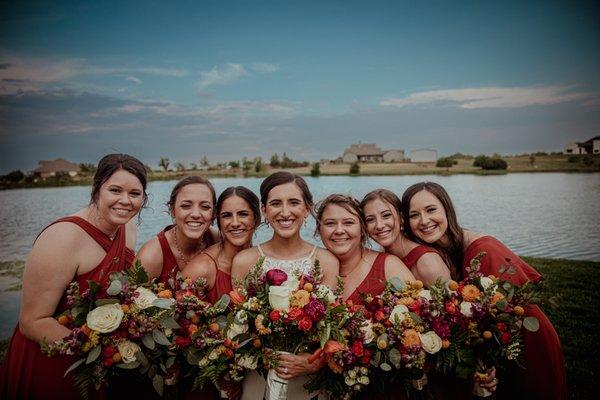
[383,194]
[111,163]
[281,178]
[190,180]
[244,193]
[348,203]
[453,254]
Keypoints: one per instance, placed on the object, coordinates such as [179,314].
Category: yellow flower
[470,293]
[300,298]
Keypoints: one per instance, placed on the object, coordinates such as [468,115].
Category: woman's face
[237,221]
[340,230]
[427,216]
[193,210]
[286,210]
[120,197]
[383,222]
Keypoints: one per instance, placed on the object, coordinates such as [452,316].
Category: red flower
[276,277]
[379,315]
[182,341]
[108,351]
[275,315]
[367,355]
[229,353]
[505,338]
[305,324]
[357,348]
[450,307]
[108,362]
[414,306]
[294,313]
[501,326]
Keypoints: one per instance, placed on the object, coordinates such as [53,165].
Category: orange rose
[470,293]
[165,294]
[410,337]
[496,297]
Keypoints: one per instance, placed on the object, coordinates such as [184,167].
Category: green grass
[576,319]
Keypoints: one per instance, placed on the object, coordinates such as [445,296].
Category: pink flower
[275,277]
[315,310]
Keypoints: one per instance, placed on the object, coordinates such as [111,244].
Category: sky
[227,79]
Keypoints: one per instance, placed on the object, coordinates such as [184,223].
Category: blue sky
[232,79]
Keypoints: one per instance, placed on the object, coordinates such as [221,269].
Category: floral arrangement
[125,326]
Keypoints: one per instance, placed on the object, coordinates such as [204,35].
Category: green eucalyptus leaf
[131,365]
[74,365]
[397,284]
[163,303]
[93,354]
[158,383]
[169,322]
[148,341]
[386,367]
[160,338]
[141,357]
[114,288]
[395,358]
[531,324]
[102,302]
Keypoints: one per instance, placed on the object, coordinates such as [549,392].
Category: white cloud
[135,80]
[221,76]
[264,68]
[493,97]
[171,72]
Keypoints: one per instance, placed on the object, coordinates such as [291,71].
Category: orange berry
[487,335]
[165,294]
[117,357]
[86,330]
[308,287]
[519,310]
[417,284]
[63,319]
[445,344]
[214,327]
[192,328]
[195,318]
[256,343]
[125,308]
[452,285]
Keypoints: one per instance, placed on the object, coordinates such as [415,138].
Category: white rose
[352,374]
[106,318]
[487,283]
[367,330]
[466,309]
[323,292]
[425,294]
[399,312]
[430,342]
[236,329]
[279,297]
[143,298]
[128,350]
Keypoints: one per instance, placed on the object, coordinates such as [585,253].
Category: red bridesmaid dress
[222,283]
[411,259]
[544,376]
[374,282]
[28,374]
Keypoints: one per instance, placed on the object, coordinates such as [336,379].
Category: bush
[444,162]
[588,160]
[495,163]
[14,176]
[354,168]
[480,160]
[316,169]
[573,159]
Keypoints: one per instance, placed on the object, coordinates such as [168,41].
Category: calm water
[544,214]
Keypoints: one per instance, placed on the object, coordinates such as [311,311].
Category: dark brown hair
[348,203]
[244,193]
[383,194]
[190,180]
[281,178]
[453,254]
[111,163]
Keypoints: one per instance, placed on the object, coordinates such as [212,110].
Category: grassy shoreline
[576,319]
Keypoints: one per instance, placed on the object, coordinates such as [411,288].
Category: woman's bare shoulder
[247,256]
[151,257]
[325,257]
[201,266]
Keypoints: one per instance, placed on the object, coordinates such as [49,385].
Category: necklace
[185,260]
[353,269]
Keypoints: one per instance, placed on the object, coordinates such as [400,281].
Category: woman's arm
[430,268]
[49,269]
[201,267]
[151,257]
[330,266]
[394,267]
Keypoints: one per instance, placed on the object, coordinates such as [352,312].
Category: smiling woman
[88,245]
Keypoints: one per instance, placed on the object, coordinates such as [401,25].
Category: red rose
[275,315]
[108,362]
[357,348]
[501,326]
[182,341]
[450,307]
[276,277]
[505,338]
[295,313]
[379,315]
[108,351]
[229,353]
[414,306]
[367,355]
[305,324]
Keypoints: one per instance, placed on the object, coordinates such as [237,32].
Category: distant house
[393,156]
[423,156]
[52,168]
[591,146]
[363,152]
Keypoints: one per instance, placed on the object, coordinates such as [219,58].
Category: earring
[267,222]
[304,223]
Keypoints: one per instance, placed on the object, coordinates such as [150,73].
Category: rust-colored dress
[374,282]
[222,283]
[170,265]
[411,259]
[544,376]
[28,374]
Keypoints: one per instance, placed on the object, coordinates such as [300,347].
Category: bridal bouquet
[125,326]
[281,312]
[482,320]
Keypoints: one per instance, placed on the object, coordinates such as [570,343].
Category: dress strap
[213,260]
[312,252]
[260,250]
[100,237]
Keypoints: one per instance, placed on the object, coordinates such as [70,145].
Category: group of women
[420,238]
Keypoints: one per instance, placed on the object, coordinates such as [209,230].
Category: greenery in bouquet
[127,325]
[482,319]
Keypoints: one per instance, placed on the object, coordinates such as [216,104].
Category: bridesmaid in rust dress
[382,212]
[88,245]
[429,218]
[238,216]
[191,205]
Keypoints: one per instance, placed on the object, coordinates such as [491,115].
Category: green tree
[204,162]
[354,168]
[234,164]
[275,163]
[480,160]
[14,176]
[164,163]
[179,166]
[193,166]
[258,165]
[494,163]
[316,169]
[445,162]
[87,168]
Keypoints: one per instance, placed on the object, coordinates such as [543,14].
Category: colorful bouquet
[281,312]
[125,326]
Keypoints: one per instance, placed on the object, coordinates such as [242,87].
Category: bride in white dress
[286,203]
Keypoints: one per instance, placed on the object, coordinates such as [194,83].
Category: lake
[540,214]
